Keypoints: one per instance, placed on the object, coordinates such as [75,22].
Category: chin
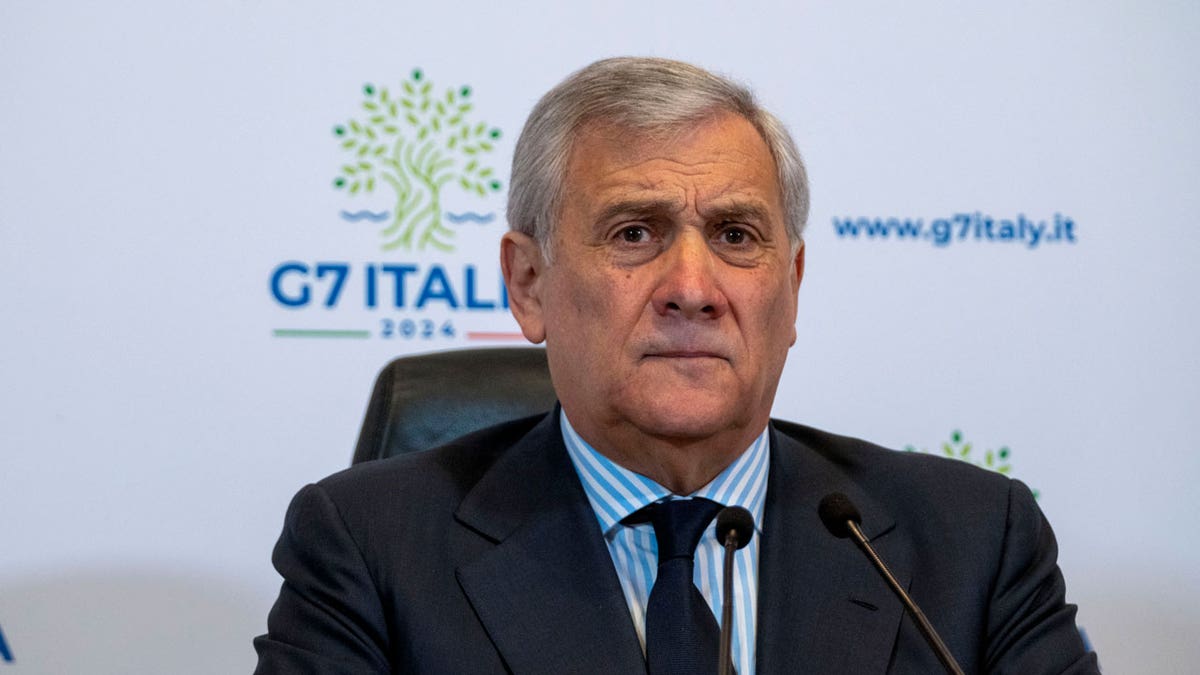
[688,418]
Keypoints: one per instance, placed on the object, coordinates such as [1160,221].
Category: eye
[733,235]
[633,234]
[739,243]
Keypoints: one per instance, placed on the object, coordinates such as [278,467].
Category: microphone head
[737,520]
[836,510]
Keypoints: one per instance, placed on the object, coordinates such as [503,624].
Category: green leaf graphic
[994,460]
[436,145]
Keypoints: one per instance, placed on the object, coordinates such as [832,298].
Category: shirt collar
[615,492]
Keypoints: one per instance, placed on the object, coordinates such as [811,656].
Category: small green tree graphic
[416,143]
[957,448]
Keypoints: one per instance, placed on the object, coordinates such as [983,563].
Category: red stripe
[485,335]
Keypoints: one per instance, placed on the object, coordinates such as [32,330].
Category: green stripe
[313,333]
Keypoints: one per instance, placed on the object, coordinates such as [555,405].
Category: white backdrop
[160,161]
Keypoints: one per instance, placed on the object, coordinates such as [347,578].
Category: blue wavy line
[470,216]
[365,215]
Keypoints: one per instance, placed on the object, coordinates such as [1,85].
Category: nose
[688,286]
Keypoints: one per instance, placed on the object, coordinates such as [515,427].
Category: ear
[797,277]
[798,264]
[523,268]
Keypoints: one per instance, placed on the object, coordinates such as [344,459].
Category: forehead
[720,156]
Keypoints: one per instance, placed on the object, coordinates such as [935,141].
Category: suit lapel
[547,594]
[822,607]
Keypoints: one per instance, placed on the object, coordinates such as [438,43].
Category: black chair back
[421,402]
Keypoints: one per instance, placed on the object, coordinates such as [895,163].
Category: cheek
[779,314]
[612,300]
[582,313]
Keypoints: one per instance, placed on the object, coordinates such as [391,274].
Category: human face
[670,304]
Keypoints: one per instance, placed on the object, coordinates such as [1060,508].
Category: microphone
[841,518]
[735,528]
[736,522]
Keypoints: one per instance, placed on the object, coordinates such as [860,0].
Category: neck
[682,465]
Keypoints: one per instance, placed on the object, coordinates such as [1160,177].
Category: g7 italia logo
[409,151]
[416,143]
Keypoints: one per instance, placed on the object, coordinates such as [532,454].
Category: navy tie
[682,637]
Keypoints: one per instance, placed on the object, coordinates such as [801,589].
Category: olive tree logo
[958,448]
[416,143]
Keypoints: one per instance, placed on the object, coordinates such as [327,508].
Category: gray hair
[648,95]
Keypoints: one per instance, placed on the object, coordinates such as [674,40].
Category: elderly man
[656,214]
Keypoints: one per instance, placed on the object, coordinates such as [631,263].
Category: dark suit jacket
[484,556]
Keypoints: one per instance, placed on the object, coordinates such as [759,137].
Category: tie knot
[678,524]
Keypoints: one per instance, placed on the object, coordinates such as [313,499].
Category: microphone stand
[726,662]
[926,628]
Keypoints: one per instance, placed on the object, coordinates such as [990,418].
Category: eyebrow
[738,209]
[734,209]
[639,207]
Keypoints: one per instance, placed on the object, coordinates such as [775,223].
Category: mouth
[684,354]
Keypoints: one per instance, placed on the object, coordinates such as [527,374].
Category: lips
[685,354]
[685,345]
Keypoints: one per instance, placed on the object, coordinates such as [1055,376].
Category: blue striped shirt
[615,492]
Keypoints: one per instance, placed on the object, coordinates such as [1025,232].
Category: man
[656,249]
